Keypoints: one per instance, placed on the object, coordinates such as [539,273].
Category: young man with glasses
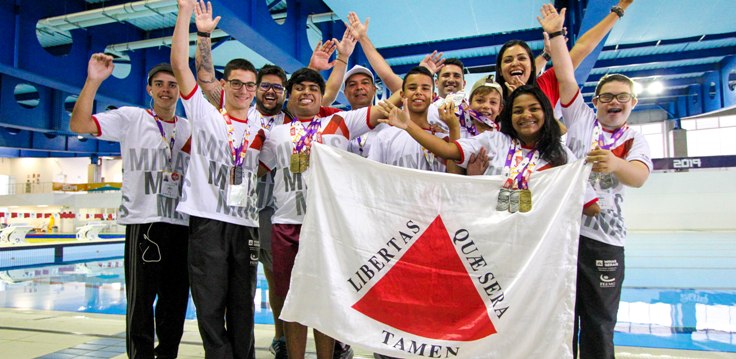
[270,95]
[620,157]
[153,144]
[220,195]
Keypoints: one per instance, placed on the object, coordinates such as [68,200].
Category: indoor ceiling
[687,45]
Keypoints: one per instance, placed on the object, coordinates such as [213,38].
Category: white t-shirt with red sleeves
[497,145]
[145,155]
[290,189]
[265,182]
[396,147]
[608,227]
[361,145]
[211,162]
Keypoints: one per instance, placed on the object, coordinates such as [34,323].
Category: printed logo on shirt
[607,282]
[608,265]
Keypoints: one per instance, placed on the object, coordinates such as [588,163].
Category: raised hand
[346,46]
[203,17]
[361,29]
[320,60]
[397,117]
[100,67]
[433,62]
[478,163]
[513,83]
[551,20]
[447,114]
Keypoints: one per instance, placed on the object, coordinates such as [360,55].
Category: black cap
[165,67]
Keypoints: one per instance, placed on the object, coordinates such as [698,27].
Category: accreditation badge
[170,182]
[236,190]
[605,199]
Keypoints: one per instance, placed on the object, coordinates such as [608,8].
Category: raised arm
[180,46]
[551,22]
[591,38]
[345,49]
[400,118]
[98,70]
[378,63]
[211,87]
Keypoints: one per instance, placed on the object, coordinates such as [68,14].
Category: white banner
[410,263]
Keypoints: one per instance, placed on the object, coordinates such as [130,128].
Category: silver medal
[514,200]
[503,200]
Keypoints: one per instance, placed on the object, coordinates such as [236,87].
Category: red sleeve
[258,141]
[97,123]
[566,105]
[368,118]
[547,82]
[462,154]
[593,201]
[190,94]
[187,148]
[261,164]
[327,111]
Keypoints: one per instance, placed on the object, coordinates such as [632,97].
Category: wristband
[341,60]
[203,34]
[546,56]
[552,35]
[618,11]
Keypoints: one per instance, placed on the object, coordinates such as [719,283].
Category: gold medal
[303,162]
[525,200]
[295,162]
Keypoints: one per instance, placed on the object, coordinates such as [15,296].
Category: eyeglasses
[265,86]
[237,85]
[608,97]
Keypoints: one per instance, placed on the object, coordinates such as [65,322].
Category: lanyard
[517,176]
[266,122]
[467,115]
[238,153]
[301,137]
[599,139]
[169,143]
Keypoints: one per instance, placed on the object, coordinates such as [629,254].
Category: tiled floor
[60,335]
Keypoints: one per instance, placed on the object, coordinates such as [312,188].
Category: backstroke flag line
[411,263]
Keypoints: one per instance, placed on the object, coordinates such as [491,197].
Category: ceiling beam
[594,13]
[659,72]
[671,56]
[250,23]
[460,44]
[678,41]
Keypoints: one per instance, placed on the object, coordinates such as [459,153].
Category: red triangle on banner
[429,292]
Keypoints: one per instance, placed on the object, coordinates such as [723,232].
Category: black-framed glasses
[608,97]
[237,85]
[265,86]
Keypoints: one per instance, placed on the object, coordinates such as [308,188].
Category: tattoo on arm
[206,72]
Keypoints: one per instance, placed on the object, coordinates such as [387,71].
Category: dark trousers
[223,259]
[600,278]
[155,266]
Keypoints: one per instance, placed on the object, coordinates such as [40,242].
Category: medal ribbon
[266,124]
[599,138]
[518,175]
[467,115]
[301,137]
[238,153]
[169,143]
